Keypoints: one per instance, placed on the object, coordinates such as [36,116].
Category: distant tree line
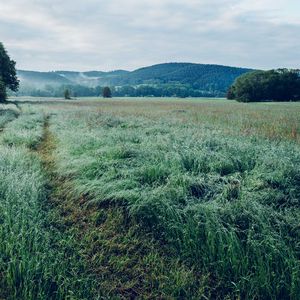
[273,85]
[144,90]
[59,91]
[166,90]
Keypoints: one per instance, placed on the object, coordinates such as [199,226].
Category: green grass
[227,205]
[158,199]
[26,131]
[7,114]
[37,261]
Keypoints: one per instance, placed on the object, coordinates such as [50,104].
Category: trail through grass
[38,260]
[124,263]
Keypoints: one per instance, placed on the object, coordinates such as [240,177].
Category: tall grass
[37,259]
[227,205]
[152,199]
[7,115]
[27,130]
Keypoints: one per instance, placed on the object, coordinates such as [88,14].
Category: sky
[46,35]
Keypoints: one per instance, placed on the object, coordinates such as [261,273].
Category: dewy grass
[153,199]
[33,262]
[26,130]
[227,205]
[6,116]
[37,261]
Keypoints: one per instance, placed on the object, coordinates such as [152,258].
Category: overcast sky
[127,34]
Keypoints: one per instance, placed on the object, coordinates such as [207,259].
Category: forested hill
[200,76]
[213,80]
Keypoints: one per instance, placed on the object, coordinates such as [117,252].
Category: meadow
[149,198]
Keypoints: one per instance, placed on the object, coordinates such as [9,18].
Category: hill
[201,76]
[41,79]
[211,79]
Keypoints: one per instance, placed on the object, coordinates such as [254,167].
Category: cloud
[105,35]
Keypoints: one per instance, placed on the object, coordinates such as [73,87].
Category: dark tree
[8,73]
[67,94]
[2,91]
[106,92]
[273,85]
[230,93]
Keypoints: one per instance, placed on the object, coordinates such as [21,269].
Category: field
[149,198]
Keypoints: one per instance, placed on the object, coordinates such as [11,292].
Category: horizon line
[142,67]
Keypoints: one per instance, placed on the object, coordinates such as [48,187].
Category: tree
[106,92]
[273,85]
[8,74]
[67,94]
[2,91]
[230,93]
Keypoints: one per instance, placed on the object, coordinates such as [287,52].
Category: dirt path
[46,153]
[119,263]
[70,209]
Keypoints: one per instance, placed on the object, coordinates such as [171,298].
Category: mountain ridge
[211,78]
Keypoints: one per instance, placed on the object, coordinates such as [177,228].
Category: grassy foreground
[150,199]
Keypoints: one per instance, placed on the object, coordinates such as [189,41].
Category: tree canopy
[273,85]
[106,92]
[3,94]
[8,73]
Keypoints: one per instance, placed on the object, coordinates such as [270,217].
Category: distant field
[272,120]
[149,198]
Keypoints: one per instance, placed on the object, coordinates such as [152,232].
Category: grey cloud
[93,34]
